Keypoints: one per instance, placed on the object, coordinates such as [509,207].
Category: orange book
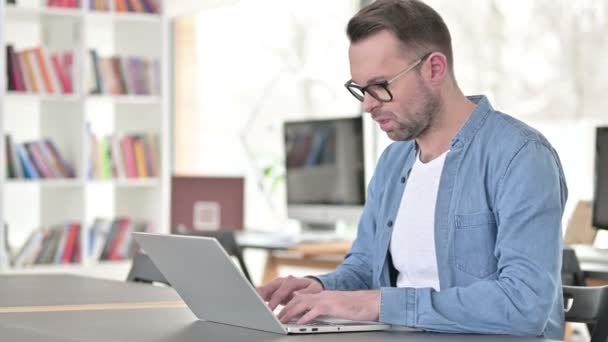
[140,159]
[29,70]
[44,71]
[120,6]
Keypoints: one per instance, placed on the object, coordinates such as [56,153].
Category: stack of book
[137,6]
[108,239]
[112,239]
[56,245]
[123,156]
[36,70]
[123,75]
[36,159]
[63,3]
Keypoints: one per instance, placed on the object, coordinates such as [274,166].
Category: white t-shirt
[413,240]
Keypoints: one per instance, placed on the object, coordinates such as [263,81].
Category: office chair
[143,270]
[228,242]
[588,305]
[571,269]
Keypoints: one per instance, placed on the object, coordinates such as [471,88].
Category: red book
[70,243]
[121,235]
[129,156]
[68,68]
[61,75]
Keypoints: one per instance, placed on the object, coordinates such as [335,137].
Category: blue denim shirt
[498,237]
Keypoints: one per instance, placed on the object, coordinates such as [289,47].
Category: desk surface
[180,325]
[61,289]
[150,324]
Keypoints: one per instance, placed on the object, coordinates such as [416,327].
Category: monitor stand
[322,232]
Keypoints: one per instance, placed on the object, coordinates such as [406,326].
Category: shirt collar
[474,122]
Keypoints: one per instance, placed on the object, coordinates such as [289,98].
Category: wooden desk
[594,264]
[326,255]
[155,324]
[286,251]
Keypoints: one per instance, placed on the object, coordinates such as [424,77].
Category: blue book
[29,170]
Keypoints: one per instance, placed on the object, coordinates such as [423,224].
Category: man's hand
[354,305]
[281,290]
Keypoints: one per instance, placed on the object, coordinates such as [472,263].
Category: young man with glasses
[461,231]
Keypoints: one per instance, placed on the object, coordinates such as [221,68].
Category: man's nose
[370,103]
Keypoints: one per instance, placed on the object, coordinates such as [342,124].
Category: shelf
[127,183]
[120,99]
[52,182]
[70,119]
[126,99]
[125,17]
[33,13]
[26,96]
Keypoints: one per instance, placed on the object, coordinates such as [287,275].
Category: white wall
[539,61]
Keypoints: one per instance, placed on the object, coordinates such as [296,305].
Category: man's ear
[436,68]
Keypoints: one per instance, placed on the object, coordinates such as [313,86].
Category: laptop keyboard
[314,323]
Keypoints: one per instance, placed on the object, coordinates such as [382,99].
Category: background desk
[594,264]
[285,251]
[158,324]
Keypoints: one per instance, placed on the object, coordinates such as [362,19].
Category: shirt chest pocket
[474,242]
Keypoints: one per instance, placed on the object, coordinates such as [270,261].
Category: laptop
[213,287]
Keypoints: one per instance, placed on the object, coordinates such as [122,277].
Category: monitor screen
[324,168]
[600,196]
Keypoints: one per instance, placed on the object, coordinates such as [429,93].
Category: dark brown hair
[419,27]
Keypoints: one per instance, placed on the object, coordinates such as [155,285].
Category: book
[44,70]
[71,242]
[10,167]
[36,70]
[14,69]
[129,157]
[120,5]
[66,169]
[68,66]
[29,250]
[136,5]
[32,85]
[29,170]
[149,156]
[66,87]
[96,76]
[10,79]
[140,160]
[38,160]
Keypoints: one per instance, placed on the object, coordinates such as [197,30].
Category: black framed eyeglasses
[379,90]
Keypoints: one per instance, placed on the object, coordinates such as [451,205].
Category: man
[461,231]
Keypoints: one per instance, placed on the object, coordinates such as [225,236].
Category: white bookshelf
[27,205]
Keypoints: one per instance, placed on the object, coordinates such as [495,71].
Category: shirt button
[402,179]
[390,224]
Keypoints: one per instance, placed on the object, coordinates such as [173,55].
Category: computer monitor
[325,171]
[600,189]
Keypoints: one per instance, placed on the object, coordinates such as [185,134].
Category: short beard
[422,119]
